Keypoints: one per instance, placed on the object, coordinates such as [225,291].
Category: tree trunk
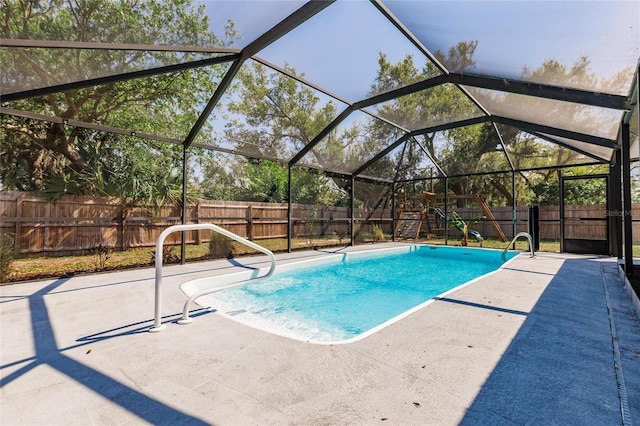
[503,191]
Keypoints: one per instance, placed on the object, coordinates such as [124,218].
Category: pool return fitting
[157,322]
[518,235]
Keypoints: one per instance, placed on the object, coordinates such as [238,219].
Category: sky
[338,48]
[517,33]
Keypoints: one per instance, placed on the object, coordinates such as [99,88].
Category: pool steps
[157,321]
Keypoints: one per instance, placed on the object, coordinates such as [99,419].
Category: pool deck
[549,340]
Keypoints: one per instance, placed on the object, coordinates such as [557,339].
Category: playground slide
[449,219]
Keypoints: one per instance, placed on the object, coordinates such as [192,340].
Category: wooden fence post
[195,220]
[18,230]
[47,224]
[120,220]
[250,222]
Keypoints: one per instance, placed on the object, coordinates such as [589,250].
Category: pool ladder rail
[518,235]
[157,319]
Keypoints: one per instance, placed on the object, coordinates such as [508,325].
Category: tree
[54,157]
[217,176]
[470,150]
[546,190]
[529,152]
[274,116]
[457,151]
[267,181]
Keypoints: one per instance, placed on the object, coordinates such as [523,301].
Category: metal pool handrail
[157,325]
[518,235]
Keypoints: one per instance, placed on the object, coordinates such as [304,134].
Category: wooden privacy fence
[549,221]
[77,224]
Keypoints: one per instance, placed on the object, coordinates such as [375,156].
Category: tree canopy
[269,117]
[56,158]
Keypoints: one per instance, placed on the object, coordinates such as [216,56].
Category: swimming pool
[345,297]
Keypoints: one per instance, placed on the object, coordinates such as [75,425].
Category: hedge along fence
[77,224]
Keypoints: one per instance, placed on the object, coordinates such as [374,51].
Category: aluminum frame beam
[558,93]
[90,45]
[569,134]
[289,23]
[82,84]
[308,147]
[539,90]
[557,142]
[85,125]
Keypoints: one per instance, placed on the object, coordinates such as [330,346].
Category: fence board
[75,224]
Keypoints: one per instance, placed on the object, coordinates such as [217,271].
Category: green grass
[49,267]
[32,268]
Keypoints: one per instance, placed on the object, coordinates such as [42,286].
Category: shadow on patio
[560,367]
[48,353]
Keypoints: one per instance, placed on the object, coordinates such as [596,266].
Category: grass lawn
[33,268]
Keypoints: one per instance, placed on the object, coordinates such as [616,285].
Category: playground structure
[427,214]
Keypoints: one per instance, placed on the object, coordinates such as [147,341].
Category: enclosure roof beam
[371,179]
[308,147]
[524,126]
[305,12]
[557,142]
[408,35]
[300,79]
[85,125]
[76,85]
[533,127]
[428,154]
[539,90]
[534,169]
[498,172]
[92,45]
[451,125]
[381,154]
[402,91]
[236,152]
[504,147]
[204,115]
[347,176]
[289,23]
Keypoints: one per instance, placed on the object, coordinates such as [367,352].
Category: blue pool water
[343,300]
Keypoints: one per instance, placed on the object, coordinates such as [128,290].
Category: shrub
[100,256]
[7,255]
[311,227]
[378,233]
[220,246]
[359,234]
[168,256]
[343,234]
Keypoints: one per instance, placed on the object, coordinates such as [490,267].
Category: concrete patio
[549,340]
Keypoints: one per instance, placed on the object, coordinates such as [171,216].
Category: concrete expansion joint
[617,361]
